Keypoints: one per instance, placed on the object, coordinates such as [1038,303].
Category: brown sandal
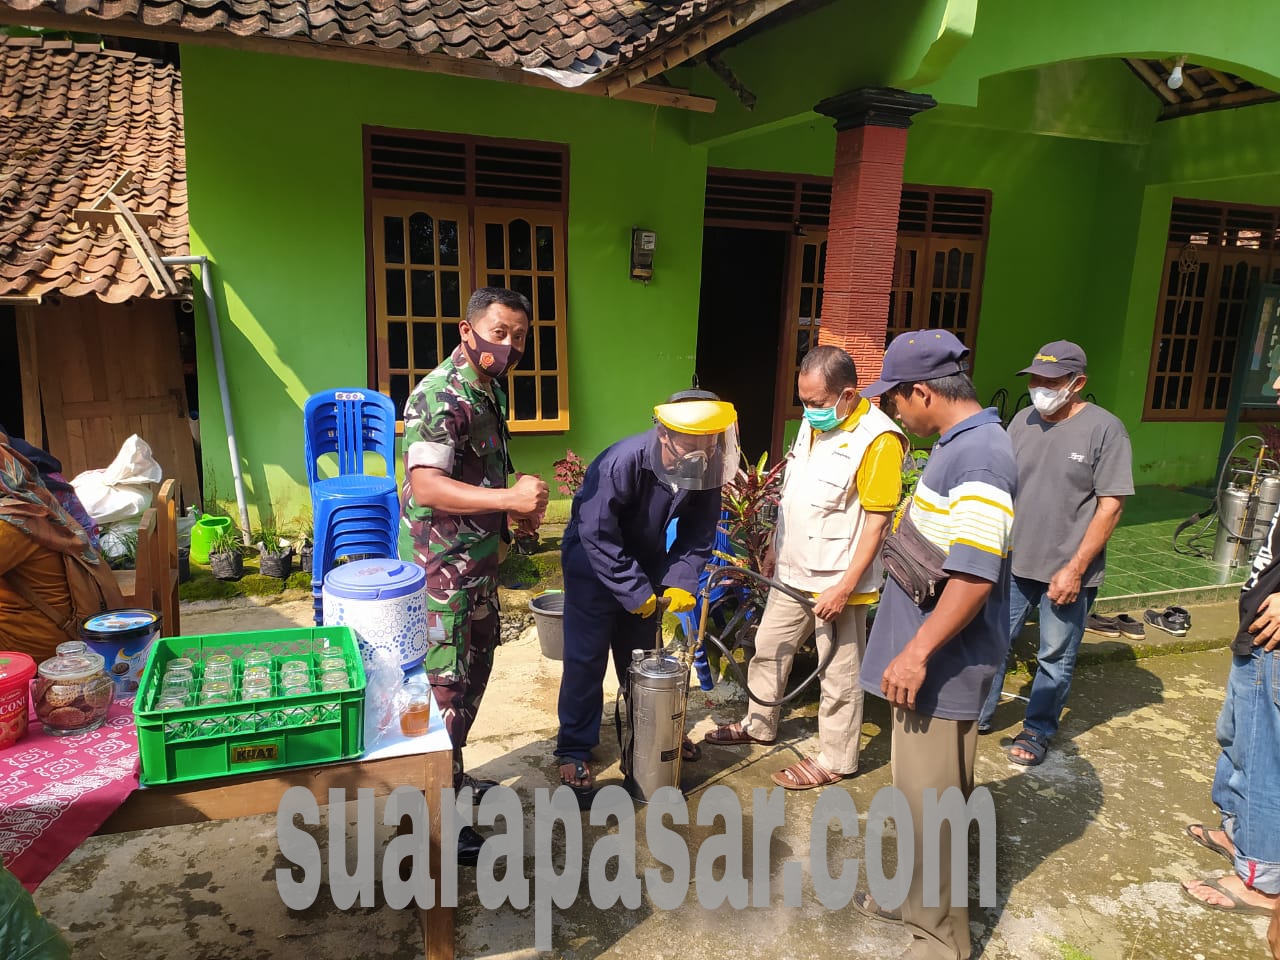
[805,775]
[731,734]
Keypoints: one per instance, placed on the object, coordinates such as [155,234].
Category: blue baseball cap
[919,355]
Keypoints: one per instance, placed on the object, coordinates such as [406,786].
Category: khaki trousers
[783,627]
[932,752]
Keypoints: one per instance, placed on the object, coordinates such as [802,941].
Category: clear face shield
[695,447]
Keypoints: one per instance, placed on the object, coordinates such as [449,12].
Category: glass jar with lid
[72,691]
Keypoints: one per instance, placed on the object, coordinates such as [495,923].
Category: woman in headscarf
[37,536]
[50,470]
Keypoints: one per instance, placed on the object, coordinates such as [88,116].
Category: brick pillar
[866,187]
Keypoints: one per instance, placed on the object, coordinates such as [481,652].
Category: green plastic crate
[193,743]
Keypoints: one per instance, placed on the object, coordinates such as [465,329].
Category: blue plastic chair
[349,422]
[354,512]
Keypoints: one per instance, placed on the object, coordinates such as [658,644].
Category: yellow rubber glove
[646,609]
[678,601]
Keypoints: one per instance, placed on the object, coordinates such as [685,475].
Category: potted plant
[304,540]
[275,553]
[226,555]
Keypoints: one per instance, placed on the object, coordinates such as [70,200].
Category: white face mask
[1048,402]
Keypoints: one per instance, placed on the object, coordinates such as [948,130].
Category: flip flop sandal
[1033,744]
[1207,841]
[864,903]
[690,752]
[1237,905]
[581,771]
[731,734]
[805,775]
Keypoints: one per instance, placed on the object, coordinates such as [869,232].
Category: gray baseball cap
[1058,359]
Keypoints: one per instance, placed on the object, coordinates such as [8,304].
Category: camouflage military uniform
[454,424]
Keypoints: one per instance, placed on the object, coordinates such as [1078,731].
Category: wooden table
[229,797]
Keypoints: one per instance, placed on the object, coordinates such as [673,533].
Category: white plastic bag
[134,464]
[383,695]
[122,490]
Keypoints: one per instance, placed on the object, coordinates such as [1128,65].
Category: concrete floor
[1090,847]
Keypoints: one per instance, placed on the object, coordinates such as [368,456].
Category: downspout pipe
[220,365]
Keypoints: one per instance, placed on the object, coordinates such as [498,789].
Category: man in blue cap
[941,631]
[1075,468]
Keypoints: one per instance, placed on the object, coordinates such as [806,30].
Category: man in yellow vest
[842,483]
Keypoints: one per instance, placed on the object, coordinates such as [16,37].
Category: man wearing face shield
[1075,467]
[616,561]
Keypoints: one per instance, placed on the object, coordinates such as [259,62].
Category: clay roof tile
[75,118]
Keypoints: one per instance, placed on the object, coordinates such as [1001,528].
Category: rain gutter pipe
[220,364]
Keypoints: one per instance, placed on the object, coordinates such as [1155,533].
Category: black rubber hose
[724,573]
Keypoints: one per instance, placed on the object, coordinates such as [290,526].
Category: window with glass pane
[450,214]
[421,282]
[804,309]
[523,250]
[936,284]
[1215,257]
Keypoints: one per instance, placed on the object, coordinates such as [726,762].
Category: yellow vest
[820,517]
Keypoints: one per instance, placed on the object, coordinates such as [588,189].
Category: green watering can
[204,533]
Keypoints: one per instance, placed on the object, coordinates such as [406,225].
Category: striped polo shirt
[964,504]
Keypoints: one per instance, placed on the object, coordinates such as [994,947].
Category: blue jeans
[1246,786]
[1061,628]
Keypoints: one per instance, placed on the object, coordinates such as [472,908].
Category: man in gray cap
[942,629]
[1075,467]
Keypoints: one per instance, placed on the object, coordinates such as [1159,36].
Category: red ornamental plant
[751,502]
[570,471]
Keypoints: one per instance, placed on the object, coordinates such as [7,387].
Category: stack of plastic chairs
[355,514]
[723,591]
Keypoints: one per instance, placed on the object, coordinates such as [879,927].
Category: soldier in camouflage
[457,505]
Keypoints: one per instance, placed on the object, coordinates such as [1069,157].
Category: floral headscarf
[26,503]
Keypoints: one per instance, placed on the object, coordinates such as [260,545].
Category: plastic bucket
[385,602]
[122,638]
[548,617]
[203,534]
[16,671]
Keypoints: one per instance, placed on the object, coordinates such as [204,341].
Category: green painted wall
[275,184]
[851,43]
[1039,279]
[1081,176]
[1013,35]
[839,46]
[1077,226]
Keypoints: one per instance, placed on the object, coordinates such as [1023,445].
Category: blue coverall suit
[614,557]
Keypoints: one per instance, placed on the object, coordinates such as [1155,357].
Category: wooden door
[103,372]
[806,275]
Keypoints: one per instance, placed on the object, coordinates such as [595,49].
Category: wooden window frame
[784,406]
[807,222]
[532,349]
[472,205]
[1217,251]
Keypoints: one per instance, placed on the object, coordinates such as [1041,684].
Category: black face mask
[692,466]
[491,359]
